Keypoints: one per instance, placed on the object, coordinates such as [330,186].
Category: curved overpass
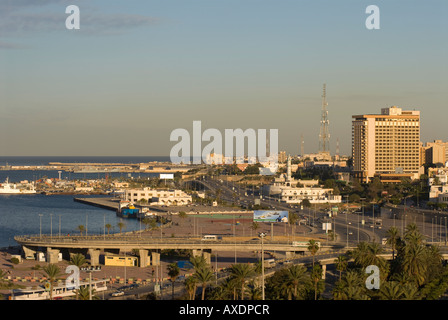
[116,243]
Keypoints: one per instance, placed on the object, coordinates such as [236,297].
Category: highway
[348,226]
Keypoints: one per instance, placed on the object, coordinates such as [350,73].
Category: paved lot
[236,226]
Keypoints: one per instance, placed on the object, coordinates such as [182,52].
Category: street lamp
[262,235]
[40,228]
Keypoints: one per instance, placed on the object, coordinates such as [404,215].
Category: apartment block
[386,145]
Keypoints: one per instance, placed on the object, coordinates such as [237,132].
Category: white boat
[8,188]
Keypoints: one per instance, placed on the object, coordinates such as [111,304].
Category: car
[134,286]
[117,294]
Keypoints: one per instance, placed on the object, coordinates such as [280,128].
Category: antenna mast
[324,136]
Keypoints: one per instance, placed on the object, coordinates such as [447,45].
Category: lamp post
[262,235]
[40,227]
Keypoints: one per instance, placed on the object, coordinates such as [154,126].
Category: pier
[105,203]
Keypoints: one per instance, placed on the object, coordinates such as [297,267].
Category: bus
[210,237]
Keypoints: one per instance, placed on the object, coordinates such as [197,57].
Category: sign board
[326,226]
[166,176]
[270,216]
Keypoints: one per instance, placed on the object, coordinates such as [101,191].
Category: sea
[35,214]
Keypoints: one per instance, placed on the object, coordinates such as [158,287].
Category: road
[348,226]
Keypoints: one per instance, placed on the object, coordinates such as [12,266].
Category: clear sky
[136,70]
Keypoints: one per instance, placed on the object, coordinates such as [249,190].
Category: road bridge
[144,245]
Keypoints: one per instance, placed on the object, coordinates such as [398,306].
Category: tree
[393,237]
[341,264]
[316,276]
[313,247]
[190,286]
[81,229]
[78,260]
[296,279]
[173,273]
[241,273]
[83,293]
[121,225]
[204,275]
[391,290]
[108,227]
[53,272]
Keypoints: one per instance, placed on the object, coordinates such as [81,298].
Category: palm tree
[313,247]
[393,237]
[204,275]
[341,264]
[316,276]
[190,286]
[53,272]
[254,226]
[81,229]
[173,273]
[413,235]
[108,227]
[198,261]
[296,277]
[83,293]
[391,290]
[254,291]
[121,225]
[414,262]
[241,273]
[78,260]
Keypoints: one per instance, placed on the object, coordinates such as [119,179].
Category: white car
[117,293]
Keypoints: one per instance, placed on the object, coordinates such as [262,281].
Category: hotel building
[386,145]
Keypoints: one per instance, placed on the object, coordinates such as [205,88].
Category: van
[210,237]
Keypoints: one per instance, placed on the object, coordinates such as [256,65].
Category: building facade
[386,145]
[158,197]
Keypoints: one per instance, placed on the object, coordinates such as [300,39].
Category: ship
[8,188]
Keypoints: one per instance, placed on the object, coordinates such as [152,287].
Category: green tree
[78,260]
[313,247]
[81,229]
[173,273]
[190,286]
[241,273]
[341,264]
[393,236]
[52,271]
[296,280]
[108,227]
[316,277]
[121,225]
[204,275]
[83,293]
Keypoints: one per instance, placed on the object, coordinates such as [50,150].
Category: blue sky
[136,70]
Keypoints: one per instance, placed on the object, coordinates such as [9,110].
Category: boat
[8,188]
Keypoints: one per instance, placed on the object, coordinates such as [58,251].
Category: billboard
[270,216]
[166,176]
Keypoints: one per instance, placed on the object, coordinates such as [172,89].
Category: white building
[438,186]
[158,196]
[290,190]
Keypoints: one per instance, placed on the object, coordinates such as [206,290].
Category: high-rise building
[386,145]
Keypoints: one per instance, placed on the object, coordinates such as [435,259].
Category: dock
[105,203]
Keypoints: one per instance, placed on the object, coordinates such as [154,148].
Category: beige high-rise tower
[386,145]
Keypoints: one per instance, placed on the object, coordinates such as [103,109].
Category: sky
[137,70]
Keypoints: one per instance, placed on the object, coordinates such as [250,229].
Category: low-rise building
[158,196]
